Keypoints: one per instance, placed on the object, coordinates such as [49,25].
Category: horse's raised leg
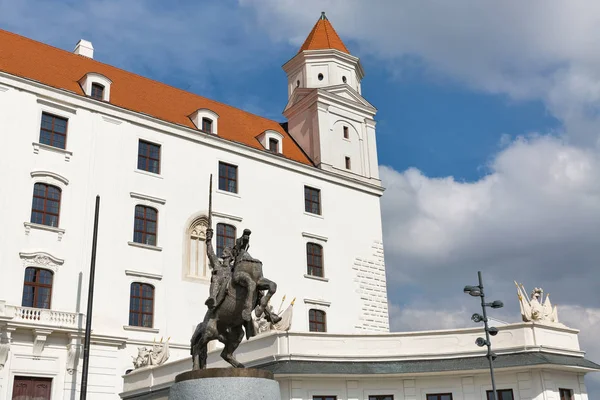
[271,288]
[205,332]
[246,281]
[234,338]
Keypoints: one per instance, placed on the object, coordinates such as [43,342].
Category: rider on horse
[221,272]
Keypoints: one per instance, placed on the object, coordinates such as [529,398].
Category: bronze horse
[228,320]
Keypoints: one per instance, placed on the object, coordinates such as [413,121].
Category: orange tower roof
[323,36]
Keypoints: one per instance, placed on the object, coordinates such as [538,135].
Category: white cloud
[532,50]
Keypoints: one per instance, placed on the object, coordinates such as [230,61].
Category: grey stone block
[226,388]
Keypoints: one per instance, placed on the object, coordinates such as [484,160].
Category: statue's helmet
[247,232]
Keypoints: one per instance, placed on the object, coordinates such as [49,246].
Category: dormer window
[206,120]
[96,86]
[97,91]
[207,125]
[271,141]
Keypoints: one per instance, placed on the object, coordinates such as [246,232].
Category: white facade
[407,366]
[101,159]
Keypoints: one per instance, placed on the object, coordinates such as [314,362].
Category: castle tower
[326,112]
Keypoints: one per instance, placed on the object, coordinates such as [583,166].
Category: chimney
[84,48]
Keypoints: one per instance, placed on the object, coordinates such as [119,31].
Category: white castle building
[79,128]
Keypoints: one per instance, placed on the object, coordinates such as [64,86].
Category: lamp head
[472,290]
[476,318]
[497,304]
[493,331]
[480,342]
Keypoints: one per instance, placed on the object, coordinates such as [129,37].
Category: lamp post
[477,291]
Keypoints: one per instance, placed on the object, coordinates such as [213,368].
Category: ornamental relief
[42,260]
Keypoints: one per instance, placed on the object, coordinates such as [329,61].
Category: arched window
[317,321]
[196,248]
[37,288]
[274,145]
[207,125]
[97,91]
[144,230]
[46,204]
[225,237]
[141,305]
[314,259]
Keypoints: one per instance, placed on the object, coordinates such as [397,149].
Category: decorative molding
[145,246]
[112,120]
[31,225]
[227,216]
[4,88]
[73,353]
[53,104]
[143,274]
[313,236]
[147,198]
[38,146]
[140,329]
[317,302]
[39,341]
[316,278]
[43,174]
[41,259]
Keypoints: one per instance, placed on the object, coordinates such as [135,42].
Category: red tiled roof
[58,68]
[323,36]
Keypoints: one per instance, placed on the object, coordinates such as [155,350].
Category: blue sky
[487,127]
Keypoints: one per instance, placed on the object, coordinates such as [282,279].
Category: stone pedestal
[225,384]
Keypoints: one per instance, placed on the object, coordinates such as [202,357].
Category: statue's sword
[210,203]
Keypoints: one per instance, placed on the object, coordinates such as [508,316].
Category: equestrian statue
[236,289]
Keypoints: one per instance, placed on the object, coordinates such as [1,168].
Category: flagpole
[88,319]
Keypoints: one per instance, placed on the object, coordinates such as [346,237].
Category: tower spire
[323,36]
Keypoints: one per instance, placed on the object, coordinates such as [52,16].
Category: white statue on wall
[261,325]
[156,355]
[535,308]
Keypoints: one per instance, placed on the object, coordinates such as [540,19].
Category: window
[324,397]
[443,396]
[149,157]
[314,259]
[141,305]
[37,288]
[274,145]
[53,131]
[347,160]
[144,229]
[566,394]
[346,133]
[503,394]
[382,397]
[312,200]
[227,177]
[317,322]
[207,125]
[196,248]
[225,237]
[97,91]
[320,76]
[46,204]
[344,79]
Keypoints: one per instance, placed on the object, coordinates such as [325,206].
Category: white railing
[47,317]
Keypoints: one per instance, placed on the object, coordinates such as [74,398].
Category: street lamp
[477,291]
